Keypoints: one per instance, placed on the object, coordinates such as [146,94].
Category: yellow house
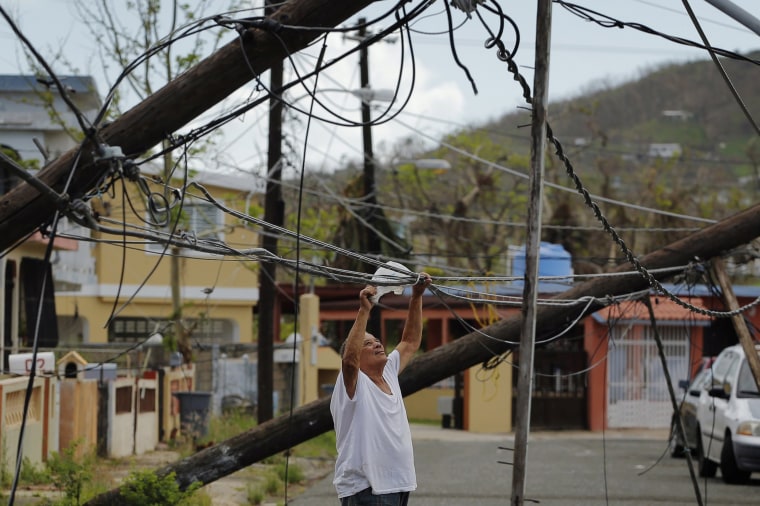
[129,296]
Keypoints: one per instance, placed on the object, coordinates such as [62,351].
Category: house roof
[246,183]
[72,356]
[665,310]
[79,84]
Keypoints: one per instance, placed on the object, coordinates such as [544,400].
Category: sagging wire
[210,126]
[522,175]
[588,301]
[606,21]
[222,120]
[400,23]
[452,45]
[663,360]
[155,211]
[174,36]
[33,366]
[230,250]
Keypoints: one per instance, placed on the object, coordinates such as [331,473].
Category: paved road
[564,469]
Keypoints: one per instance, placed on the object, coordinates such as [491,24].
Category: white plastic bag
[384,274]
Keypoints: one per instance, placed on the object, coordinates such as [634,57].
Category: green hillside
[689,104]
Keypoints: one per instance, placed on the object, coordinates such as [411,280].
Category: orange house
[626,380]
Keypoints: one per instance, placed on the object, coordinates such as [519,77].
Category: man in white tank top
[375,464]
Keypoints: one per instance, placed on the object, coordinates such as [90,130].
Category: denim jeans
[367,498]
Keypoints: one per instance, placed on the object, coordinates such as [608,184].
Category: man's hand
[420,286]
[365,297]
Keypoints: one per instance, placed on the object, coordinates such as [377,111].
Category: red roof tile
[664,309]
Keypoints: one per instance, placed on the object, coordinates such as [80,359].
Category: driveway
[630,468]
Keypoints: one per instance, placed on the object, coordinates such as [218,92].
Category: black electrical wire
[720,68]
[609,22]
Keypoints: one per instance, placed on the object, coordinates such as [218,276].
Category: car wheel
[728,468]
[707,468]
[676,448]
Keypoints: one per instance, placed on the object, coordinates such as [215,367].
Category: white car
[729,422]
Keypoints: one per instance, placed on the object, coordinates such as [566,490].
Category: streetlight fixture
[437,165]
[367,94]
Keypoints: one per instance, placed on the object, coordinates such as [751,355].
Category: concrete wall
[488,399]
[132,416]
[423,405]
[41,425]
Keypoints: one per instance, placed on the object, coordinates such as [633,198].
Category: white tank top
[373,436]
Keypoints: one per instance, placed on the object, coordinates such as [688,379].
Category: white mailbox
[21,363]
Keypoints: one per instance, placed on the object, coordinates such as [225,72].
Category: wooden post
[532,248]
[729,299]
[274,213]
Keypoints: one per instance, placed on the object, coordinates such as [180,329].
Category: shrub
[255,495]
[69,474]
[272,484]
[294,472]
[146,488]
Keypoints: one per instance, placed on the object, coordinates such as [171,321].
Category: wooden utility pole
[147,124]
[274,213]
[532,248]
[475,348]
[729,299]
[371,239]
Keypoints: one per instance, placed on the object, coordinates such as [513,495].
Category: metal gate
[637,394]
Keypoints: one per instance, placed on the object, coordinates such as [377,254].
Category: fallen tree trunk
[180,101]
[313,419]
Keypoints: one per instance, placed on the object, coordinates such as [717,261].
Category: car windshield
[747,384]
[701,379]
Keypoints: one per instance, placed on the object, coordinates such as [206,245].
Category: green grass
[228,425]
[293,470]
[255,495]
[322,446]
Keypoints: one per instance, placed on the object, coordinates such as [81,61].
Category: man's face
[373,352]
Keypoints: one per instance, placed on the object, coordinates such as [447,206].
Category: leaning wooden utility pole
[313,419]
[24,208]
[532,248]
[740,326]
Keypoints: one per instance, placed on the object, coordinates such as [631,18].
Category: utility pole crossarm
[175,105]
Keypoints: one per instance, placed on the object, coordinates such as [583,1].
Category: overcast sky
[583,56]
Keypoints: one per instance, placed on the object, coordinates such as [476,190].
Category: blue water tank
[554,260]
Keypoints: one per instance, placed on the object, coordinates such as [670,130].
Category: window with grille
[135,330]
